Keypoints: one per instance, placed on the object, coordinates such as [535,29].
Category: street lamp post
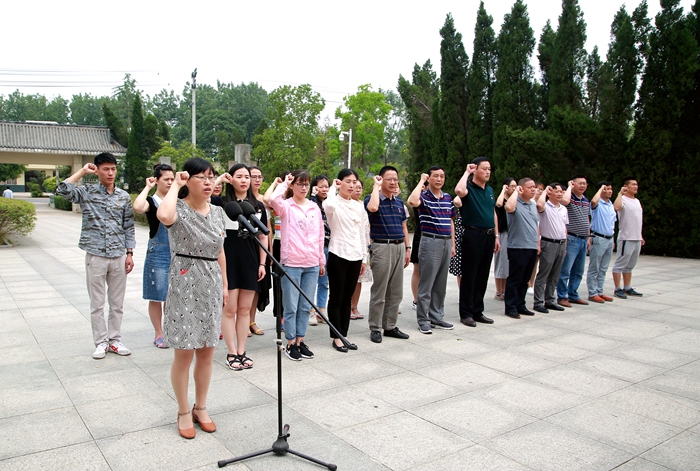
[342,138]
[194,106]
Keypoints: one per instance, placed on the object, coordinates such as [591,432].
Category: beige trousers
[112,272]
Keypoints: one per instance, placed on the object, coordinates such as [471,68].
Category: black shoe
[483,319]
[396,333]
[468,321]
[514,315]
[526,312]
[352,346]
[305,352]
[341,349]
[553,307]
[375,336]
[542,309]
[292,352]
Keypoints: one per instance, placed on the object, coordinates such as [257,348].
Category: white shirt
[7,193]
[630,217]
[348,222]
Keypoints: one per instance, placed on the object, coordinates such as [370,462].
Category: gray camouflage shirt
[108,220]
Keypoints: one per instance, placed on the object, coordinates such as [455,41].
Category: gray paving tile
[578,380]
[616,367]
[553,351]
[589,342]
[70,458]
[657,405]
[652,356]
[473,418]
[397,434]
[356,368]
[474,458]
[83,365]
[31,433]
[464,375]
[87,389]
[32,396]
[545,446]
[400,390]
[265,378]
[680,452]
[615,427]
[146,450]
[513,363]
[632,330]
[690,368]
[19,375]
[407,355]
[676,383]
[639,464]
[530,398]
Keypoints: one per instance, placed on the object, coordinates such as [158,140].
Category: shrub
[35,190]
[50,184]
[138,217]
[16,217]
[60,202]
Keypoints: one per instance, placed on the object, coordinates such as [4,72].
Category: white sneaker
[119,349]
[100,351]
[414,306]
[313,320]
[530,291]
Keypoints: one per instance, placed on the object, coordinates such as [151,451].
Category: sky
[68,47]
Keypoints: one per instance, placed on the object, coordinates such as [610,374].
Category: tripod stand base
[281,448]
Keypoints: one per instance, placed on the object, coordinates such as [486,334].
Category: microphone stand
[281,446]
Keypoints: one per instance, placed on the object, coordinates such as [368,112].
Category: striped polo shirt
[387,222]
[436,214]
[579,209]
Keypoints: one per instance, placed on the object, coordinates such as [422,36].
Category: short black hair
[508,180]
[626,180]
[387,168]
[435,168]
[194,166]
[346,172]
[606,183]
[319,178]
[105,158]
[524,180]
[478,160]
[160,168]
[554,185]
[579,175]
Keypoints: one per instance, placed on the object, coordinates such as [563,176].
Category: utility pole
[194,107]
[342,138]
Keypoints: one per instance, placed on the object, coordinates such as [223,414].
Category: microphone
[235,213]
[249,213]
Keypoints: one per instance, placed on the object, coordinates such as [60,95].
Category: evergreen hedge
[16,217]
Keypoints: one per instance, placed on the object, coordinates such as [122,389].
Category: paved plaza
[600,387]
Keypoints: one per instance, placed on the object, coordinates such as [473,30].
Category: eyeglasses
[201,178]
[303,185]
[391,180]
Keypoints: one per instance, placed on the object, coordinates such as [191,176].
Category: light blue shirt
[603,218]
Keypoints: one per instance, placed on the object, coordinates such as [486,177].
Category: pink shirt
[302,231]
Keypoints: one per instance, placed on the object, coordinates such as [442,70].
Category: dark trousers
[521,262]
[342,280]
[477,253]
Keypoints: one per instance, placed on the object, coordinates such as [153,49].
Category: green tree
[664,150]
[115,125]
[152,139]
[515,104]
[19,107]
[545,56]
[86,110]
[480,87]
[594,83]
[569,58]
[452,124]
[11,171]
[419,96]
[395,134]
[288,142]
[124,97]
[327,156]
[366,113]
[178,155]
[136,162]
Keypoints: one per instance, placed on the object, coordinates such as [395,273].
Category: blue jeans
[296,307]
[322,289]
[572,269]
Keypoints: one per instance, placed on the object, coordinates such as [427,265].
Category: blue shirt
[603,218]
[387,222]
[436,214]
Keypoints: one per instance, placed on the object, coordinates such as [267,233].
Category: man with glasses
[480,240]
[389,255]
[108,238]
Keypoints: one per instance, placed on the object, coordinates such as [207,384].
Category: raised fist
[181,178]
[471,168]
[90,168]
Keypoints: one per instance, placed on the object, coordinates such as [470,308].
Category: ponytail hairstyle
[194,166]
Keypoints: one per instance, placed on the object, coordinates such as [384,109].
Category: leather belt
[554,241]
[196,257]
[480,229]
[388,241]
[576,235]
[435,236]
[601,235]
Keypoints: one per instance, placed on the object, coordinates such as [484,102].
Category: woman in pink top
[301,256]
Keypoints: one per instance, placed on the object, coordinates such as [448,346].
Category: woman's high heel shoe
[187,433]
[208,427]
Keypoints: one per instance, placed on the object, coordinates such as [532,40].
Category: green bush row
[16,217]
[60,202]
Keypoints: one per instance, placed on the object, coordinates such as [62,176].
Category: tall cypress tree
[135,166]
[115,125]
[545,55]
[663,158]
[452,125]
[569,59]
[514,101]
[480,87]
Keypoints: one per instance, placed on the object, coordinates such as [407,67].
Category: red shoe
[606,298]
[596,299]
